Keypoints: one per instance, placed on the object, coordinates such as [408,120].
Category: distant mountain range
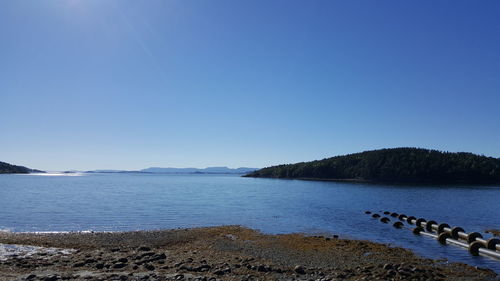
[6,168]
[209,170]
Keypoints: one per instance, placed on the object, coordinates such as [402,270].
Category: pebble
[119,265]
[219,272]
[204,267]
[140,263]
[262,268]
[51,278]
[299,269]
[149,267]
[79,264]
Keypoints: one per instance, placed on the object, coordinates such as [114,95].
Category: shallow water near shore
[121,202]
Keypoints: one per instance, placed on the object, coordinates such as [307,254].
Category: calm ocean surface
[116,202]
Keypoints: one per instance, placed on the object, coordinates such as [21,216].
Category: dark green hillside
[394,165]
[6,168]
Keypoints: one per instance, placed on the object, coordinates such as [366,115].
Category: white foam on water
[11,250]
[50,232]
[65,232]
[54,174]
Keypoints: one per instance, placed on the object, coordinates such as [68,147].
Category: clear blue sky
[88,84]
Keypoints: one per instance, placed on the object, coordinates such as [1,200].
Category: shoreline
[494,232]
[219,253]
[375,182]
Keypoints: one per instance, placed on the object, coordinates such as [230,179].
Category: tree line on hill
[6,168]
[394,165]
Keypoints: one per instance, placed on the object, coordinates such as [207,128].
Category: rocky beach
[495,232]
[216,253]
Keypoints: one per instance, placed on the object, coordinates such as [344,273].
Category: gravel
[219,253]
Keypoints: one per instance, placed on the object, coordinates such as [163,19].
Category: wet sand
[220,253]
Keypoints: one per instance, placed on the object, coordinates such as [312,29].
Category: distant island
[158,170]
[397,165]
[6,168]
[209,170]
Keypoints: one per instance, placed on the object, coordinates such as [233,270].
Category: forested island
[398,165]
[6,168]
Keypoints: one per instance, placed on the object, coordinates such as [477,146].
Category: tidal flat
[218,253]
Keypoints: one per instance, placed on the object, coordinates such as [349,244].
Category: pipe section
[445,234]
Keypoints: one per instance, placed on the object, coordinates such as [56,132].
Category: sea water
[120,202]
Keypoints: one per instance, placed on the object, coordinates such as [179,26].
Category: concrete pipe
[474,248]
[441,227]
[442,237]
[454,232]
[482,250]
[463,235]
[398,224]
[490,253]
[429,224]
[493,244]
[411,220]
[385,220]
[417,230]
[420,221]
[447,229]
[472,237]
